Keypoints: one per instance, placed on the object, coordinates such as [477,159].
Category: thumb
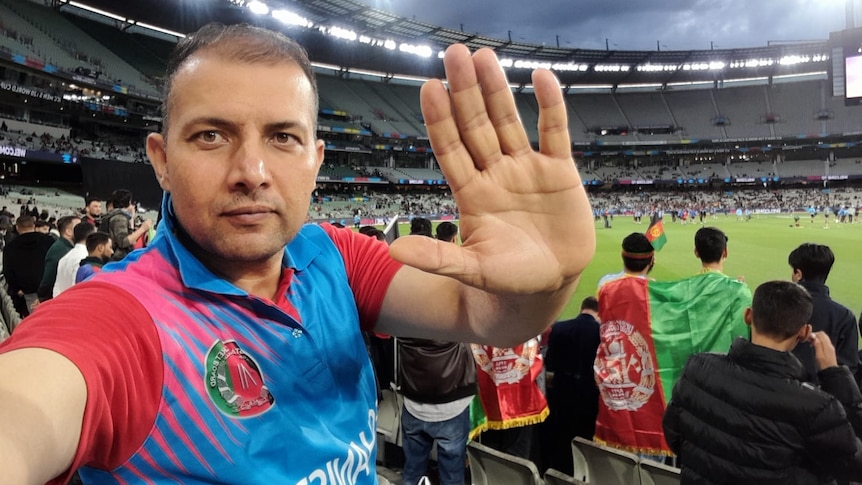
[432,256]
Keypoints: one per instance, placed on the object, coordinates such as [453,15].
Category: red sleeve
[370,269]
[120,359]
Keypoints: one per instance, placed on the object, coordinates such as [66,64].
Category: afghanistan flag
[649,330]
[508,393]
[655,233]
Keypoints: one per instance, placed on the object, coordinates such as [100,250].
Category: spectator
[92,211]
[811,264]
[117,223]
[69,264]
[747,418]
[573,397]
[229,350]
[438,380]
[24,263]
[66,226]
[638,259]
[99,250]
[446,231]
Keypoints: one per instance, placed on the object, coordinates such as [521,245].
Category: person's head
[66,227]
[590,304]
[81,231]
[372,231]
[811,262]
[42,226]
[93,207]
[638,253]
[780,310]
[25,224]
[420,226]
[238,152]
[121,199]
[447,231]
[99,245]
[710,245]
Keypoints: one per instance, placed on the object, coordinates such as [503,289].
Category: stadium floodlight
[257,7]
[159,29]
[340,33]
[390,44]
[418,50]
[98,11]
[290,18]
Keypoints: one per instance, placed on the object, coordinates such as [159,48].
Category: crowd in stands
[104,148]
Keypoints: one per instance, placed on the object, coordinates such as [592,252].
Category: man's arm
[134,236]
[526,223]
[42,399]
[49,275]
[847,344]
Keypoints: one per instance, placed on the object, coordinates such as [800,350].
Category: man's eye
[283,138]
[209,136]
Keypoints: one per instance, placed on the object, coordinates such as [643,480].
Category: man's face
[94,209]
[241,158]
[105,251]
[70,231]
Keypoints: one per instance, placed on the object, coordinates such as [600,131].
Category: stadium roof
[581,66]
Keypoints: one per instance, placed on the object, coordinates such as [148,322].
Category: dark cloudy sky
[634,24]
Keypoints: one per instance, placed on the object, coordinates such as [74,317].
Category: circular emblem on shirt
[234,381]
[625,373]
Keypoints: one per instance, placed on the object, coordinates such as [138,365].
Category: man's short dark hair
[710,243]
[780,309]
[813,260]
[90,200]
[64,222]
[121,198]
[446,231]
[95,239]
[637,252]
[41,223]
[420,226]
[590,303]
[371,231]
[240,43]
[25,222]
[82,230]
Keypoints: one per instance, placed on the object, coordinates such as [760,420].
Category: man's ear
[696,254]
[747,316]
[724,253]
[797,275]
[159,159]
[804,334]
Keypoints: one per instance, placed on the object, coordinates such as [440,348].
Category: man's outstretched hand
[526,223]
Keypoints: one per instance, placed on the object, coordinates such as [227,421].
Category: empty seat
[556,477]
[492,467]
[607,465]
[654,473]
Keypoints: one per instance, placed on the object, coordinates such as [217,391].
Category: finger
[446,143]
[554,138]
[500,104]
[433,256]
[468,106]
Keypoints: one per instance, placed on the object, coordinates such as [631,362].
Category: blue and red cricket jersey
[191,380]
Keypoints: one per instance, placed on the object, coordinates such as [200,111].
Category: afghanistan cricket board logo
[624,369]
[234,381]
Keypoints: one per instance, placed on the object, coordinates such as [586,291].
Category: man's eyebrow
[211,121]
[284,125]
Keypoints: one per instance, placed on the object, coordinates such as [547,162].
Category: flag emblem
[235,382]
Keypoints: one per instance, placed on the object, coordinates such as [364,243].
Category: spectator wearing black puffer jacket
[747,418]
[811,264]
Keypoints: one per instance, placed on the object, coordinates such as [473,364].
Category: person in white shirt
[68,266]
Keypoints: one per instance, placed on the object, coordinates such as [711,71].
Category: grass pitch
[757,250]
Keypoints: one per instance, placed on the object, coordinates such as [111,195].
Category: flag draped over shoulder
[649,330]
[508,393]
[655,233]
